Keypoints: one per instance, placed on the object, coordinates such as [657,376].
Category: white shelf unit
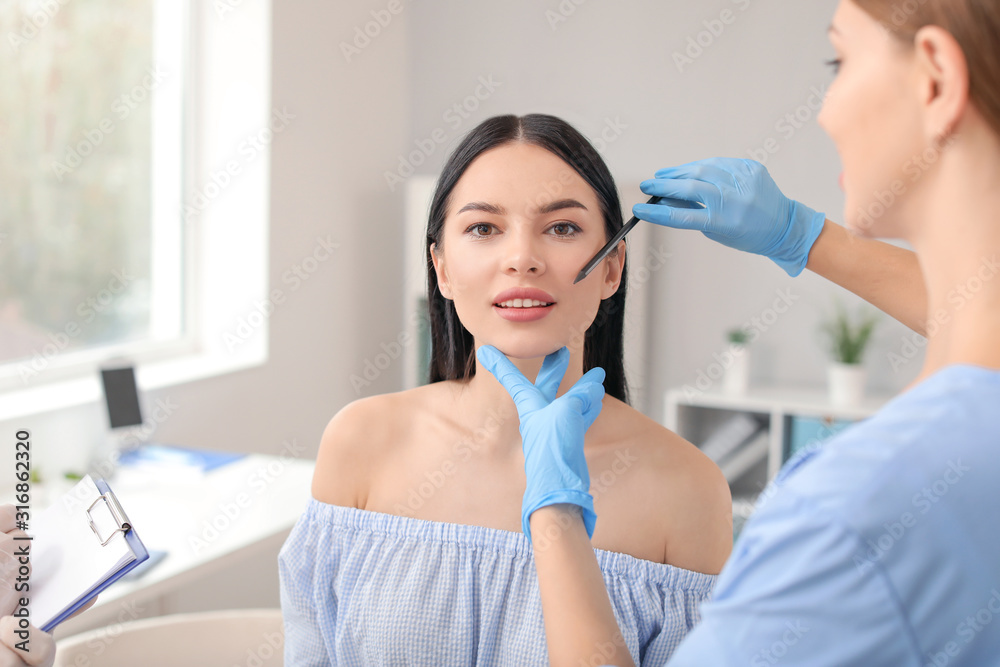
[696,415]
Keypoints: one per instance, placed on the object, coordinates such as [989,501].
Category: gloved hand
[42,645]
[552,430]
[744,209]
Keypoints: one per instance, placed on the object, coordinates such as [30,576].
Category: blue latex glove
[744,209]
[552,431]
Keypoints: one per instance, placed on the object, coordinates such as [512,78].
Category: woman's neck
[958,246]
[486,405]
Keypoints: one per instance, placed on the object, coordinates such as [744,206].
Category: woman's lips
[841,180]
[523,314]
[518,302]
[522,293]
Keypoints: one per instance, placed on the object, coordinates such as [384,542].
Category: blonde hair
[975,25]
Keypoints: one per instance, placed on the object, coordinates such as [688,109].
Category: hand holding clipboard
[80,545]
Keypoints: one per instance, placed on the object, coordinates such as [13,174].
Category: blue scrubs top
[882,547]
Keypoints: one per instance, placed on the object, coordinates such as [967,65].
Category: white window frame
[227,76]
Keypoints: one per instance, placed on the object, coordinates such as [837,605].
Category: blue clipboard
[109,502]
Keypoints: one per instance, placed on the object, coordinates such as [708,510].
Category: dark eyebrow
[484,207]
[561,204]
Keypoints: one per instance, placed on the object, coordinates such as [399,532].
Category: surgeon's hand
[42,646]
[744,209]
[552,431]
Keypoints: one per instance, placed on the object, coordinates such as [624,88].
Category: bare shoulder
[355,442]
[343,456]
[688,492]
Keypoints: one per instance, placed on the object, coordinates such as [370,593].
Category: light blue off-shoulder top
[367,588]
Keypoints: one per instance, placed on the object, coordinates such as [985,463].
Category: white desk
[205,521]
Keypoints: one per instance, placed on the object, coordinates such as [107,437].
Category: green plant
[737,337]
[848,337]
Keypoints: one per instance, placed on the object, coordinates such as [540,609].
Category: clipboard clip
[116,512]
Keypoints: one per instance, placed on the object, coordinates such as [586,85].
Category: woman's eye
[564,229]
[480,229]
[835,64]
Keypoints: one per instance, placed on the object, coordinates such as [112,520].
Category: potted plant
[737,373]
[849,337]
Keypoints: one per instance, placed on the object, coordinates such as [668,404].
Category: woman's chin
[857,228]
[873,227]
[525,351]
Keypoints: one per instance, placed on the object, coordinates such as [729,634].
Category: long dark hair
[452,346]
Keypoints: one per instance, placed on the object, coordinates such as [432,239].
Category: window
[195,310]
[91,261]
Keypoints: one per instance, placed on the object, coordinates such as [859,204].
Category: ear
[614,265]
[944,74]
[444,285]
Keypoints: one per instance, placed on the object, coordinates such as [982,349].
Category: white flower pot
[737,377]
[847,383]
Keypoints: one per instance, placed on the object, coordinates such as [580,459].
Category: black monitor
[121,396]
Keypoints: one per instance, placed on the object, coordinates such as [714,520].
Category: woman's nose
[523,254]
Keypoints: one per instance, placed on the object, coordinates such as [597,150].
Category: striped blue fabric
[366,588]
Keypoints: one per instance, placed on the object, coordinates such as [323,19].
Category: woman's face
[520,218]
[873,116]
